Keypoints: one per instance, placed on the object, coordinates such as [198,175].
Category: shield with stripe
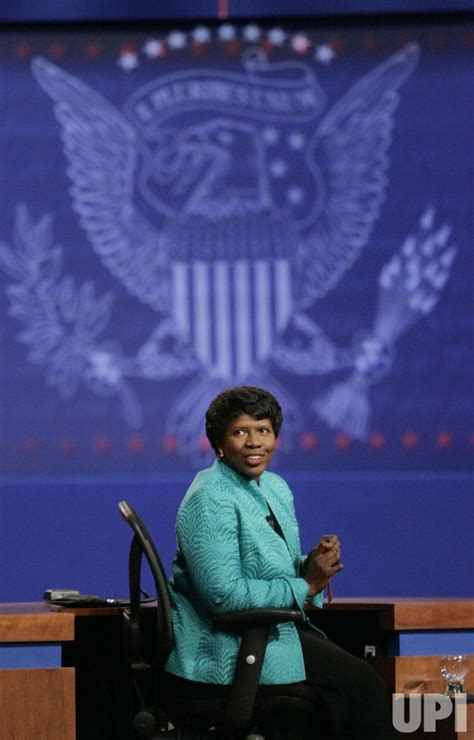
[231,311]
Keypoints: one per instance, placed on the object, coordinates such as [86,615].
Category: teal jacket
[230,558]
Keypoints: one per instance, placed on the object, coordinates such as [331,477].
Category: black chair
[169,706]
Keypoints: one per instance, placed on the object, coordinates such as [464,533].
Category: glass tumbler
[454,669]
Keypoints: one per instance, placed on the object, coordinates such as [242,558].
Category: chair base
[281,711]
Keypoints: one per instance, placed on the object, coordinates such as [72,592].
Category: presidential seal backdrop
[187,208]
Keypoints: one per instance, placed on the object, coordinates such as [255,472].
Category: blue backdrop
[188,208]
[79,10]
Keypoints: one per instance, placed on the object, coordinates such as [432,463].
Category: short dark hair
[228,405]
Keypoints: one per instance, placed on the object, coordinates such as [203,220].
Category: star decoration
[225,137]
[410,440]
[201,34]
[203,443]
[251,33]
[377,441]
[296,140]
[226,32]
[22,51]
[66,445]
[342,441]
[177,40]
[300,43]
[444,440]
[277,36]
[324,53]
[154,48]
[128,60]
[278,168]
[170,444]
[308,441]
[136,444]
[270,135]
[370,43]
[57,51]
[101,445]
[295,195]
[93,50]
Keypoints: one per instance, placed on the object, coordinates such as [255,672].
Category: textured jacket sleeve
[316,600]
[208,537]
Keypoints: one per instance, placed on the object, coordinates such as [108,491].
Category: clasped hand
[323,563]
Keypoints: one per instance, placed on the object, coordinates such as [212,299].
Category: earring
[221,453]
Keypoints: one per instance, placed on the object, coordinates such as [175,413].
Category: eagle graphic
[231,245]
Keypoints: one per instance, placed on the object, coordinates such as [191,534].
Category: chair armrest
[248,618]
[254,626]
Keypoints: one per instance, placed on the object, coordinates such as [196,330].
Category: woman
[238,548]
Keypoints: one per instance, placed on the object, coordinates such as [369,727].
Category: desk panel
[411,613]
[40,704]
[34,622]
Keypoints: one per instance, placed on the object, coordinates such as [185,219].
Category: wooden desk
[409,612]
[34,622]
[38,702]
[438,619]
[407,636]
[91,679]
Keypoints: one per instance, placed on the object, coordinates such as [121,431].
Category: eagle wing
[101,147]
[351,147]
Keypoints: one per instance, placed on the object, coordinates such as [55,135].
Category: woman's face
[248,445]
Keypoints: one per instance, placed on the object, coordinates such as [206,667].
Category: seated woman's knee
[366,678]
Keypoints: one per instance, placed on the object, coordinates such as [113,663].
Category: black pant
[349,694]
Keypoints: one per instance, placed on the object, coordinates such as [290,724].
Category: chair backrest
[142,544]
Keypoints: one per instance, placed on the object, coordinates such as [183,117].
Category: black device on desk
[72,598]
